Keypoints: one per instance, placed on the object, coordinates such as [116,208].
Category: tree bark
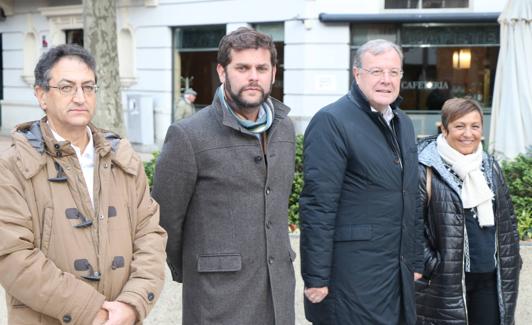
[100,38]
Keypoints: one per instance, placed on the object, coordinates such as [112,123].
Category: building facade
[165,46]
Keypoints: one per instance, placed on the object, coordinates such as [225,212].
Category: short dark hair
[245,38]
[51,57]
[455,108]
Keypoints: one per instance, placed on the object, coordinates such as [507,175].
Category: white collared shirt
[86,161]
[387,114]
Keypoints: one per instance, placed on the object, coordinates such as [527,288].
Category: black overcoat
[358,214]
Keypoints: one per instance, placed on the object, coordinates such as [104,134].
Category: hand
[417,276]
[119,313]
[101,317]
[316,295]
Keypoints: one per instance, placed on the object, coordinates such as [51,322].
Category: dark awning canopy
[444,17]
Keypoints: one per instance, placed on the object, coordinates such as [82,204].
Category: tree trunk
[99,29]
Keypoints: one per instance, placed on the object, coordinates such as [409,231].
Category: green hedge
[149,167]
[297,186]
[518,174]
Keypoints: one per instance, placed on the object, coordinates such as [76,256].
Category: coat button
[396,160]
[268,190]
[268,224]
[151,296]
[67,318]
[270,260]
[258,159]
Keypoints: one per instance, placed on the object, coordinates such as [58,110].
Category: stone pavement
[167,311]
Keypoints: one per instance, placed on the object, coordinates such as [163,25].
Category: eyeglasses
[71,90]
[379,73]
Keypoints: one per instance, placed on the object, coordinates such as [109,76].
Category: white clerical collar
[387,114]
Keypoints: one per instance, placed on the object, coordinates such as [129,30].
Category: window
[434,74]
[425,4]
[206,37]
[276,31]
[74,36]
[195,51]
[54,3]
[441,61]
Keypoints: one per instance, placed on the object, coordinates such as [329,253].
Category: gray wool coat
[224,203]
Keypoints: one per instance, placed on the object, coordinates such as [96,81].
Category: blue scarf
[263,122]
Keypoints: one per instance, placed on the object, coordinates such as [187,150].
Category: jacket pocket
[353,232]
[219,263]
[422,284]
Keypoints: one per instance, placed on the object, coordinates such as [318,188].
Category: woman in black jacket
[470,241]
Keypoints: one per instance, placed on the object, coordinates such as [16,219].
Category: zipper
[463,271]
[500,298]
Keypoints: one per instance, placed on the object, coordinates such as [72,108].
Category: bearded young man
[223,181]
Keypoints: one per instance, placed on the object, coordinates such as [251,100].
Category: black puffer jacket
[440,298]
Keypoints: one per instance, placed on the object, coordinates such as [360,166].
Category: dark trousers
[482,303]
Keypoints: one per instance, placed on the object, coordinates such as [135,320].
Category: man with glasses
[357,208]
[80,240]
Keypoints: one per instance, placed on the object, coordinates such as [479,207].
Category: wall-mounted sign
[424,85]
[324,83]
[416,35]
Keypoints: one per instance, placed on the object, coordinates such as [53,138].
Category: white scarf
[475,189]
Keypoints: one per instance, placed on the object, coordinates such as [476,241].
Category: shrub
[297,185]
[524,224]
[149,167]
[518,175]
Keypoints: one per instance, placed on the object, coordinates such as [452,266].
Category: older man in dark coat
[223,182]
[358,222]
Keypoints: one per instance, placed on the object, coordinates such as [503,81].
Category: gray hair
[51,57]
[375,47]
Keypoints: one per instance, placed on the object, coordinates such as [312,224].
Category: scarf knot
[475,190]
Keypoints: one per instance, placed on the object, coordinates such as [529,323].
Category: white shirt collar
[86,160]
[89,149]
[387,114]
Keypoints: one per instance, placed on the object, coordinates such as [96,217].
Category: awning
[444,17]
